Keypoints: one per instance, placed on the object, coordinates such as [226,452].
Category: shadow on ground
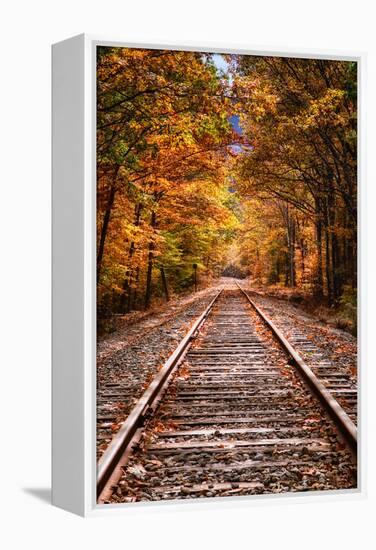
[40,493]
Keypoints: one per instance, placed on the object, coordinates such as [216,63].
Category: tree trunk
[290,228]
[334,248]
[289,222]
[164,284]
[302,261]
[319,281]
[337,277]
[287,268]
[153,222]
[278,268]
[353,266]
[124,299]
[292,252]
[320,278]
[106,221]
[328,262]
[132,297]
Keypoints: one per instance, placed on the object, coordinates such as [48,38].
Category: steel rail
[146,405]
[339,416]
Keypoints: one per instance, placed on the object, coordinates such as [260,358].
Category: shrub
[348,308]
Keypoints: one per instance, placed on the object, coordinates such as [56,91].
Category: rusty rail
[339,416]
[125,437]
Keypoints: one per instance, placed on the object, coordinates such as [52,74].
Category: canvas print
[226,275]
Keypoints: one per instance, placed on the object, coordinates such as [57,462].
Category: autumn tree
[299,120]
[162,132]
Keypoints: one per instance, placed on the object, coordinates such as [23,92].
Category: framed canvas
[208,290]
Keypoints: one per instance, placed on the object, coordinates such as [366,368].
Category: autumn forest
[211,165]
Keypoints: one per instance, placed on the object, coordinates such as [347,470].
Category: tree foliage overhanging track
[299,119]
[178,186]
[162,139]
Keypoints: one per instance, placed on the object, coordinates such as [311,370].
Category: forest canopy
[231,164]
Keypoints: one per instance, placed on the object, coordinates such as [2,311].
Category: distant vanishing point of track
[234,411]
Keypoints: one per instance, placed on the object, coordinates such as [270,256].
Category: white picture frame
[74,283]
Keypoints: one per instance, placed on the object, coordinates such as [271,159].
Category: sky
[234,121]
[222,66]
[220,62]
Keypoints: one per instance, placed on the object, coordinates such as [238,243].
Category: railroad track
[338,379]
[234,411]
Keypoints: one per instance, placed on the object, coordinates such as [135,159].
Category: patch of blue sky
[222,66]
[234,121]
[220,62]
[235,148]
